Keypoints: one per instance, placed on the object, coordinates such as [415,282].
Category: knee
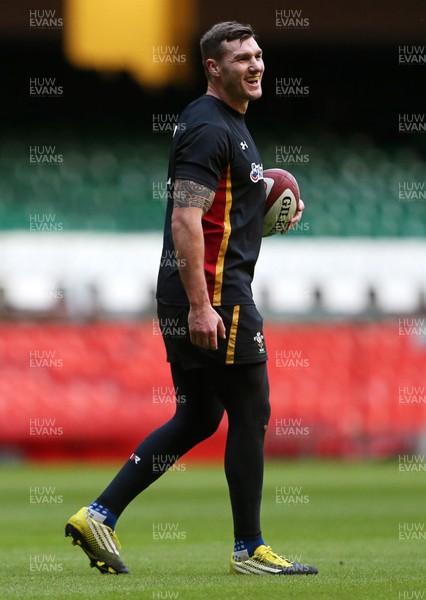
[261,410]
[253,417]
[208,426]
[264,415]
[200,426]
[267,414]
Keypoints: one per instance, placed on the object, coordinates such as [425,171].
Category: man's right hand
[204,326]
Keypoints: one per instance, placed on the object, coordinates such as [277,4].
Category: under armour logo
[243,145]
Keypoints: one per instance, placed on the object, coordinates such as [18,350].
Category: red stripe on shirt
[214,227]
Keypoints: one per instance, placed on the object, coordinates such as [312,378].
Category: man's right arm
[191,201]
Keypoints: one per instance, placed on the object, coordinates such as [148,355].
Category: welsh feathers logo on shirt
[256,173]
[261,344]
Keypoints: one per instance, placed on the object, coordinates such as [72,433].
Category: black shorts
[244,341]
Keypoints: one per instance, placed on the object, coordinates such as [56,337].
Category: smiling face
[236,77]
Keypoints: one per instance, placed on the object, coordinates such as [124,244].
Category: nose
[256,64]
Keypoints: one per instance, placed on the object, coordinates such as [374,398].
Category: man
[211,328]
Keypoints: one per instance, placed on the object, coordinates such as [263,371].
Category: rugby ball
[282,200]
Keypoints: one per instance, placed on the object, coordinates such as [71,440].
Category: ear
[212,67]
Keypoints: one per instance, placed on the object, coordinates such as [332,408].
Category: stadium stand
[82,275]
[338,390]
[356,189]
[343,296]
[356,194]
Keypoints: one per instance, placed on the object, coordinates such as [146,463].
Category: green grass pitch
[362,524]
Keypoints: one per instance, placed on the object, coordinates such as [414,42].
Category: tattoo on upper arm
[188,193]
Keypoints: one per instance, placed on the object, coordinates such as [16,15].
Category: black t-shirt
[212,146]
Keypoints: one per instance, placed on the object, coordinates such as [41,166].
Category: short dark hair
[227,31]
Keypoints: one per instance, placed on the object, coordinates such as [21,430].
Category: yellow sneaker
[97,540]
[266,562]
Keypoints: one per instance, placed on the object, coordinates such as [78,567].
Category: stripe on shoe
[248,570]
[106,536]
[250,566]
[102,536]
[263,567]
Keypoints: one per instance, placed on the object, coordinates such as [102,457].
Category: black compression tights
[204,394]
